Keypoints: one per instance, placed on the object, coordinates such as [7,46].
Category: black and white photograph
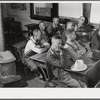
[49,49]
[50,45]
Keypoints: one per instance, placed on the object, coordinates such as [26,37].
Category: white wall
[74,10]
[95,13]
[22,16]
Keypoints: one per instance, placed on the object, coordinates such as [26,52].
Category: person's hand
[65,46]
[38,46]
[96,51]
[61,52]
[42,46]
[58,32]
[84,33]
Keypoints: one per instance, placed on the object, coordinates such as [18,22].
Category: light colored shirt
[31,45]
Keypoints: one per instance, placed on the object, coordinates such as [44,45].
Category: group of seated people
[55,40]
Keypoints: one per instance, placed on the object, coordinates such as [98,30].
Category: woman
[83,29]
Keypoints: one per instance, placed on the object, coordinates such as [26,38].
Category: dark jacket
[57,60]
[84,28]
[54,30]
[95,43]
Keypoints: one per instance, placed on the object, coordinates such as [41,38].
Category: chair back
[93,74]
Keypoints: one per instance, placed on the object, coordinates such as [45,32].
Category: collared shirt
[31,45]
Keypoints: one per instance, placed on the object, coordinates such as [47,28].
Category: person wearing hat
[56,58]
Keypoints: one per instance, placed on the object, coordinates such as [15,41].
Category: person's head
[42,25]
[83,20]
[70,26]
[56,42]
[37,35]
[56,21]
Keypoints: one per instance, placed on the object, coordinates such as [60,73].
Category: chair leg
[44,73]
[25,71]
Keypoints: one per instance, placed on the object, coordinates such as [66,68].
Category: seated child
[36,44]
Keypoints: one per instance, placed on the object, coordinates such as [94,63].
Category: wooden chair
[93,74]
[55,82]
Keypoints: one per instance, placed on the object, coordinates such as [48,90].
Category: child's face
[39,36]
[57,44]
[42,26]
[70,27]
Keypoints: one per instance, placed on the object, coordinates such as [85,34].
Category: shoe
[39,75]
[9,78]
[52,84]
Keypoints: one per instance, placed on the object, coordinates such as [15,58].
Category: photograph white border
[50,93]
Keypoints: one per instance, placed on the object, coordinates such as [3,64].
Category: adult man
[35,45]
[55,27]
[56,58]
[42,27]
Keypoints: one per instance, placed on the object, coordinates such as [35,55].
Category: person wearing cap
[55,28]
[56,58]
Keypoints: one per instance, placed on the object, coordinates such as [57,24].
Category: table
[31,27]
[40,60]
